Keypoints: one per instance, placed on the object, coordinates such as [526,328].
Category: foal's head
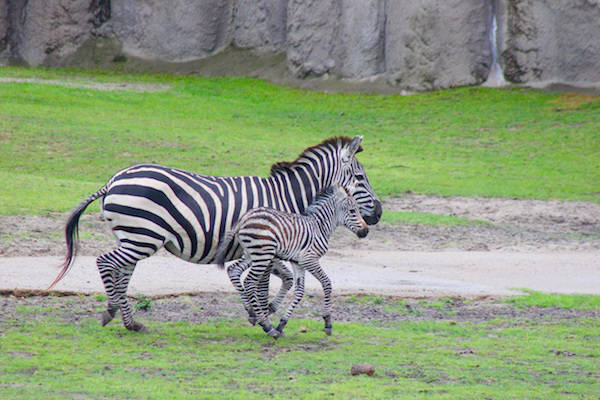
[348,213]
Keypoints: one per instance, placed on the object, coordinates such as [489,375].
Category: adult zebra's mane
[336,141]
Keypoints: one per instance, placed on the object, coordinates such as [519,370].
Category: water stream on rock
[496,75]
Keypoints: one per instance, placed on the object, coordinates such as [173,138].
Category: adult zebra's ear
[353,148]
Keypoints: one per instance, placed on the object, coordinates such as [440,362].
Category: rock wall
[407,44]
[551,41]
[435,44]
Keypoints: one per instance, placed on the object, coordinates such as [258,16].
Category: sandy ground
[543,245]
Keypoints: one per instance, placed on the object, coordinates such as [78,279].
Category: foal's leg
[260,266]
[235,272]
[287,280]
[298,295]
[316,270]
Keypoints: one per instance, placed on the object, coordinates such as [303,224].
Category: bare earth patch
[205,306]
[514,225]
[103,86]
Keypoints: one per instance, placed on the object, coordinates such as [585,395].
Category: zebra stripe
[268,236]
[150,206]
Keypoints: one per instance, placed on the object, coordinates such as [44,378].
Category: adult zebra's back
[151,206]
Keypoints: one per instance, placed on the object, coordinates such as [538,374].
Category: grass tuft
[567,301]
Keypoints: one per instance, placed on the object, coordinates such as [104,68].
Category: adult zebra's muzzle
[362,232]
[376,216]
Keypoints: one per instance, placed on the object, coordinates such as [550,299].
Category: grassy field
[57,350]
[60,143]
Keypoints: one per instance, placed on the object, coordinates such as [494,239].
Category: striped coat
[150,206]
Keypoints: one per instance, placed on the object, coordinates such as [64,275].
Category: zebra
[266,234]
[148,207]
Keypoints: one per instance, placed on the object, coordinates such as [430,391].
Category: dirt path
[80,83]
[543,245]
[514,226]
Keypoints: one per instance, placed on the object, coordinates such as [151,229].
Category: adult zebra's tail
[224,247]
[72,233]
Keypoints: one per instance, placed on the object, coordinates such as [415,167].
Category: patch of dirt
[512,225]
[209,306]
[102,86]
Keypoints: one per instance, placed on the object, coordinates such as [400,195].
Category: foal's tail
[224,248]
[72,233]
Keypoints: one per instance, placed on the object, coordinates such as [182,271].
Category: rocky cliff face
[407,44]
[551,41]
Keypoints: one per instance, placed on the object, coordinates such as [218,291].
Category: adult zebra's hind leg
[116,268]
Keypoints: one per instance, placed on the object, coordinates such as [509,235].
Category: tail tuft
[72,234]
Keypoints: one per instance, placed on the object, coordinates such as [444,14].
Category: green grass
[418,218]
[502,359]
[58,144]
[568,301]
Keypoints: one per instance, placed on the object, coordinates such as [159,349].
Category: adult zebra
[151,206]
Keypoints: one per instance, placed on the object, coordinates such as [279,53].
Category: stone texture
[175,31]
[48,31]
[3,30]
[260,24]
[359,50]
[401,44]
[311,32]
[342,37]
[433,44]
[551,41]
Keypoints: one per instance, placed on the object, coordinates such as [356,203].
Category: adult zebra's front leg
[116,269]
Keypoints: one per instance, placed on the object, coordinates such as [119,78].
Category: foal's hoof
[137,327]
[107,317]
[327,331]
[252,320]
[274,333]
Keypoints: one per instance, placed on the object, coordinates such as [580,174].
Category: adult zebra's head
[332,163]
[355,180]
[368,202]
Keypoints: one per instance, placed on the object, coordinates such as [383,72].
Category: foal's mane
[321,198]
[336,141]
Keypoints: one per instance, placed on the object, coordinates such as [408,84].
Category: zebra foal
[267,235]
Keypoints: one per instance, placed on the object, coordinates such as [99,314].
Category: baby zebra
[265,234]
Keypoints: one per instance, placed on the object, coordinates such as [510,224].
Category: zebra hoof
[137,327]
[107,316]
[274,333]
[327,331]
[252,320]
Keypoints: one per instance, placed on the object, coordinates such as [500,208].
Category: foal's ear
[353,148]
[340,193]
